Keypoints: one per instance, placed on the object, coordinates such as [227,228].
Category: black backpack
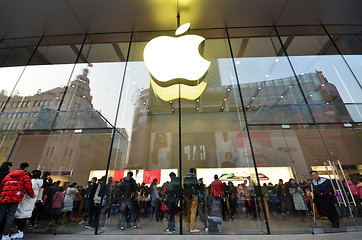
[126,188]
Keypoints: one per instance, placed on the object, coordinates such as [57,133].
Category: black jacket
[4,171]
[173,190]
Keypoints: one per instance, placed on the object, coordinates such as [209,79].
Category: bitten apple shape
[176,61]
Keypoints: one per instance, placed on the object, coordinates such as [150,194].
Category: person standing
[324,194]
[203,196]
[12,190]
[154,200]
[89,204]
[26,206]
[172,198]
[191,193]
[298,199]
[69,195]
[128,191]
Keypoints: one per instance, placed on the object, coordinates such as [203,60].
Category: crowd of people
[31,197]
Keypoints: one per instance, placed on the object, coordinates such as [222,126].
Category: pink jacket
[58,200]
[352,187]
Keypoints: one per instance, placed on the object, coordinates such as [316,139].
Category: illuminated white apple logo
[176,61]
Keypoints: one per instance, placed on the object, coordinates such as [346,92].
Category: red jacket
[217,188]
[13,185]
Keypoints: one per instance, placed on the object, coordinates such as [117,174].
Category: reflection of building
[217,111]
[68,148]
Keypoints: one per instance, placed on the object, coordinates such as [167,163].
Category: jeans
[154,209]
[88,208]
[128,203]
[171,205]
[8,210]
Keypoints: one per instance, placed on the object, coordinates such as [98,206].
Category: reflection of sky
[105,79]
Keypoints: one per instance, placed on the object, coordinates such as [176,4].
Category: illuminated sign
[176,66]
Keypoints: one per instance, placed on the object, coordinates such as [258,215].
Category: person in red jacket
[217,188]
[12,190]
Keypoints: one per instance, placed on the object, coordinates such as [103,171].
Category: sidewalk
[332,236]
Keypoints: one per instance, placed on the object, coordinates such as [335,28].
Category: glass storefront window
[273,104]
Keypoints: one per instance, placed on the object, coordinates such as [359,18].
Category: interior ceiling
[20,18]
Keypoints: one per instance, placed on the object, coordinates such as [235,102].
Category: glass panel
[323,75]
[267,81]
[145,144]
[279,158]
[70,157]
[41,87]
[96,80]
[81,215]
[7,141]
[214,142]
[9,77]
[351,48]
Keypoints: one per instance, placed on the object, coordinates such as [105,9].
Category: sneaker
[206,229]
[33,226]
[137,227]
[89,226]
[194,230]
[122,228]
[17,235]
[5,237]
[169,231]
[81,222]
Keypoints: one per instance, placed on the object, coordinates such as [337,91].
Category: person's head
[110,179]
[24,166]
[228,156]
[94,179]
[57,183]
[193,171]
[245,182]
[161,140]
[225,136]
[172,175]
[280,181]
[291,181]
[36,174]
[314,175]
[73,185]
[230,184]
[89,183]
[7,164]
[46,175]
[130,174]
[270,184]
[201,182]
[155,181]
[216,176]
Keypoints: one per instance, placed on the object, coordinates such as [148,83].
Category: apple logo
[175,62]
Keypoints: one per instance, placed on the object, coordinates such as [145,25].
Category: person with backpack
[191,187]
[172,198]
[128,190]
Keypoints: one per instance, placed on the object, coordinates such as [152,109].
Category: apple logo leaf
[182,29]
